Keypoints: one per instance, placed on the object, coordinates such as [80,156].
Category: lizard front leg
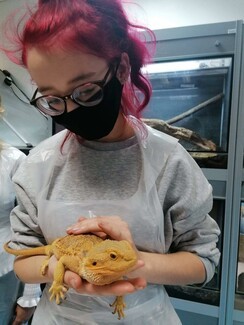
[58,289]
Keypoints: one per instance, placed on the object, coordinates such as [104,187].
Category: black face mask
[93,123]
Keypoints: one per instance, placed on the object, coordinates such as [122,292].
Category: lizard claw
[58,292]
[119,306]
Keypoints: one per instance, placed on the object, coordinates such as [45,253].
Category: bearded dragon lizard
[98,261]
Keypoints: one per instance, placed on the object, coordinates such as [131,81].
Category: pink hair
[99,26]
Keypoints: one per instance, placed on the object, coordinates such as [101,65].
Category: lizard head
[108,261]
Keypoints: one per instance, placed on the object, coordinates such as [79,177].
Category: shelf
[195,307]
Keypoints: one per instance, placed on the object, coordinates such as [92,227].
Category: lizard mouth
[96,267]
[105,271]
[101,275]
[101,278]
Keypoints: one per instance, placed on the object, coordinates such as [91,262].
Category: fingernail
[70,227]
[139,288]
[74,228]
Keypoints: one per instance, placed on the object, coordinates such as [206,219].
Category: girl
[108,173]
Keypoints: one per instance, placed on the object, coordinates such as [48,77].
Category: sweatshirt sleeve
[29,180]
[186,197]
[30,297]
[24,217]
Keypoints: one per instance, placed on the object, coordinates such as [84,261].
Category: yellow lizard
[98,261]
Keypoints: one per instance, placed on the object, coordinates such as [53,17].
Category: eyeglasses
[88,94]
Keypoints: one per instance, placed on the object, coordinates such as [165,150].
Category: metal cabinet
[198,96]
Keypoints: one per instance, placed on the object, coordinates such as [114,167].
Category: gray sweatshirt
[112,171]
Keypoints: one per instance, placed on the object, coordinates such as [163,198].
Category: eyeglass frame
[100,83]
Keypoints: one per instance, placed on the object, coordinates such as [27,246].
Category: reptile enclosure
[197,97]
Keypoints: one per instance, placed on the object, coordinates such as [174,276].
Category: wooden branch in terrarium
[195,109]
[181,133]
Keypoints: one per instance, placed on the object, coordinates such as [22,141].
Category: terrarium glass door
[191,101]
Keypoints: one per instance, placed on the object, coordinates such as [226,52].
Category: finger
[81,219]
[135,271]
[100,234]
[84,226]
[138,283]
[118,288]
[72,279]
[113,226]
[116,232]
[139,264]
[77,230]
[76,224]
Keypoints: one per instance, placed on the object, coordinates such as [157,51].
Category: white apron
[144,215]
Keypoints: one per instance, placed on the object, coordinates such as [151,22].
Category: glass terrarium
[191,101]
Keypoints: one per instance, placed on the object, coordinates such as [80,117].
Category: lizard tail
[43,250]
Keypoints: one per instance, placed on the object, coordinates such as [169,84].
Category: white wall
[19,73]
[158,14]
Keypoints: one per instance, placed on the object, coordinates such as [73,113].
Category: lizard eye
[113,256]
[94,263]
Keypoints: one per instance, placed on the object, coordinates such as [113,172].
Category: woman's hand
[22,314]
[106,227]
[117,288]
[77,228]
